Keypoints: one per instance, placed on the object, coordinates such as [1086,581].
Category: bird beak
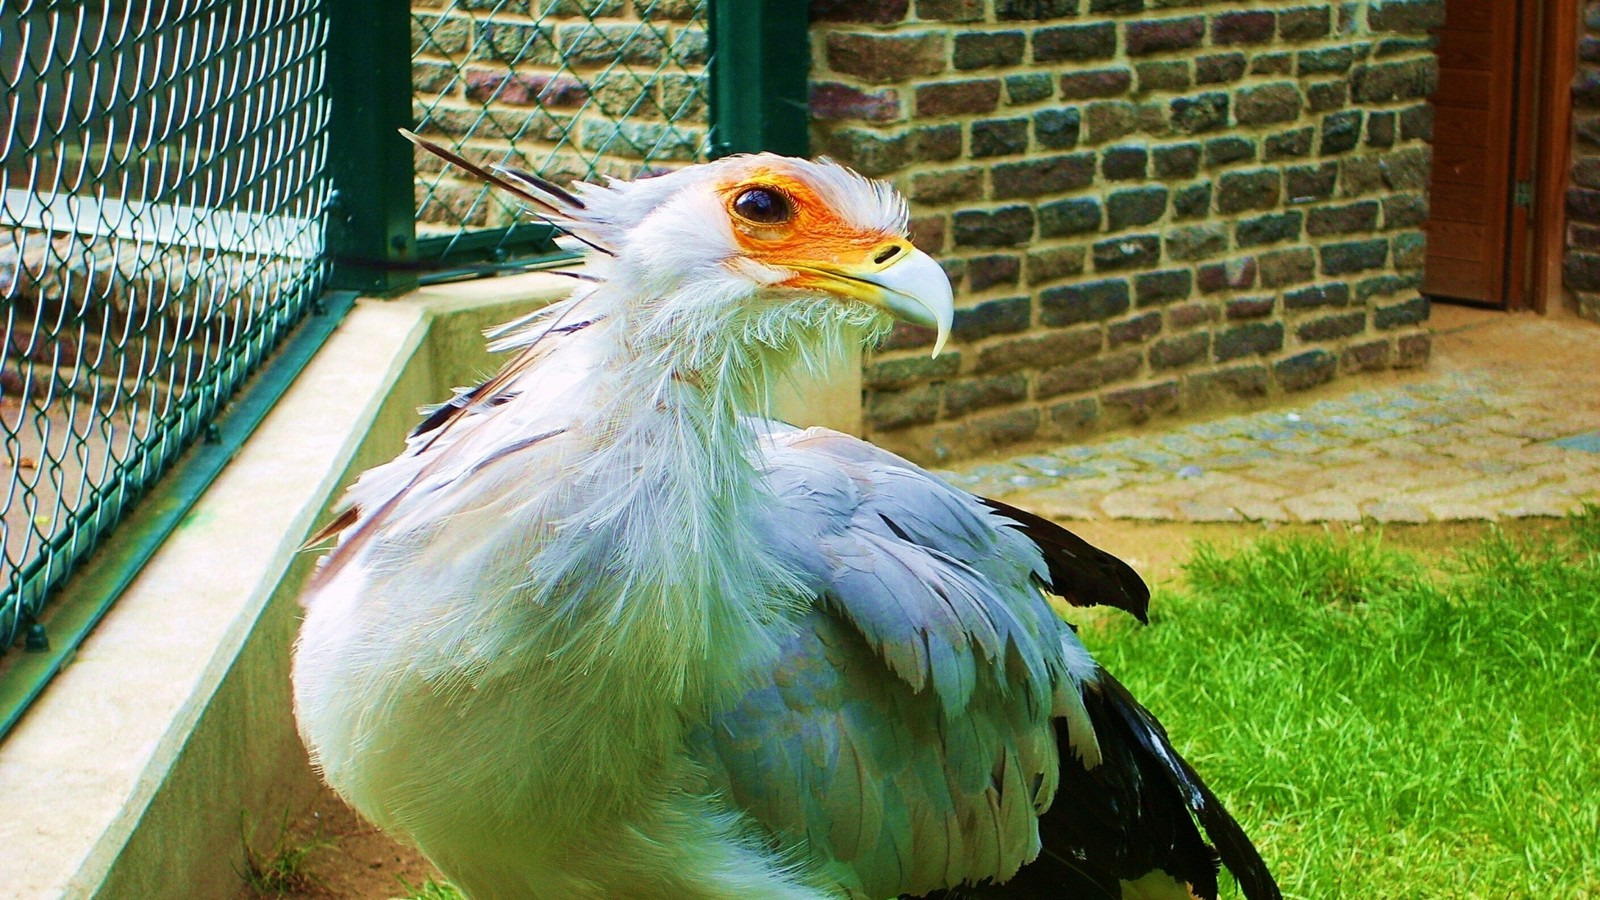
[916,290]
[898,279]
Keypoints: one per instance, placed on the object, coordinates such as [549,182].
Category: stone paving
[1466,441]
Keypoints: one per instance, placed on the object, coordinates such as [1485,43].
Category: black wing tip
[1231,846]
[1080,572]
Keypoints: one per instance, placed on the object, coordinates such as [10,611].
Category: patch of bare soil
[331,852]
[352,859]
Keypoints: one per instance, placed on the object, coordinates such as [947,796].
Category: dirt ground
[330,852]
[344,857]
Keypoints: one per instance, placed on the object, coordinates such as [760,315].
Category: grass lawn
[1386,725]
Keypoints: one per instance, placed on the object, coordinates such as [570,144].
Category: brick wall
[1147,206]
[569,88]
[1581,273]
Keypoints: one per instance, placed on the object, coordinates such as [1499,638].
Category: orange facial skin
[785,228]
[813,238]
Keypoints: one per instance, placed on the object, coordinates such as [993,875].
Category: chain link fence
[181,179]
[572,89]
[162,213]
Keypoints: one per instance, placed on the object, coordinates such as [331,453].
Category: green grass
[1386,726]
[281,868]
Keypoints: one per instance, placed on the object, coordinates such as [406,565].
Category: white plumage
[603,630]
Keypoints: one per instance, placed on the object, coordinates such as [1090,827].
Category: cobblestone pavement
[1505,422]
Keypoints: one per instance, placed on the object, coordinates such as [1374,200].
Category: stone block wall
[1146,206]
[1581,272]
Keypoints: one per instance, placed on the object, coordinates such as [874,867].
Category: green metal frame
[165,265]
[758,101]
[372,233]
[511,246]
[98,583]
[760,66]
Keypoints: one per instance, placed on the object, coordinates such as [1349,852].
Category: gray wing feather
[903,736]
[926,571]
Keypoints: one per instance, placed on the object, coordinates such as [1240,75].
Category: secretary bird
[603,630]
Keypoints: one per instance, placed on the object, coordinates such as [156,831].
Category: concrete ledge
[143,766]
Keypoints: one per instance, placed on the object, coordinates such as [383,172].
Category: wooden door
[1473,194]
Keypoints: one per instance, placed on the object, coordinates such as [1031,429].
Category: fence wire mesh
[162,212]
[571,89]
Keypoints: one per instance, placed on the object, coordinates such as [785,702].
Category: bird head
[740,268]
[767,250]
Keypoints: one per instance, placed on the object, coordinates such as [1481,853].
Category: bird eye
[763,206]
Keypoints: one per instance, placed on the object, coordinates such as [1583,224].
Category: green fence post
[760,63]
[372,230]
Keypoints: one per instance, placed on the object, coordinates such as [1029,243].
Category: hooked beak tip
[912,287]
[917,290]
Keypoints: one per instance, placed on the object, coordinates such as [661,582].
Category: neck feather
[669,487]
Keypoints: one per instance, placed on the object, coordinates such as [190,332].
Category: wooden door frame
[1550,37]
[1473,242]
[1523,219]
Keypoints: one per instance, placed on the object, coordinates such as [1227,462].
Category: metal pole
[760,63]
[372,230]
